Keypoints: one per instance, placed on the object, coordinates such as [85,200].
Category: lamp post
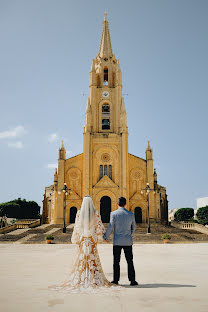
[65,190]
[148,190]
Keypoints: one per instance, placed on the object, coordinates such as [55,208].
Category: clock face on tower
[105,94]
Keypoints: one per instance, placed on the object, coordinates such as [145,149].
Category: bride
[87,273]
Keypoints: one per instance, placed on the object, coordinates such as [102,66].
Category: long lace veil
[87,217]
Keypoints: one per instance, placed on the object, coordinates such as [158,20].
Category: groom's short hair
[122,201]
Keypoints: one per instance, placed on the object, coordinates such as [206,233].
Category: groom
[122,223]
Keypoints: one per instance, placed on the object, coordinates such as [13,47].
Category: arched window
[105,124]
[105,76]
[105,108]
[106,117]
[101,171]
[110,172]
[105,170]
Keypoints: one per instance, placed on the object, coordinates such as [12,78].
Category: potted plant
[49,238]
[166,238]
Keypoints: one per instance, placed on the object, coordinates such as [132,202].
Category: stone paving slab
[52,231]
[24,239]
[43,226]
[18,231]
[172,278]
[70,226]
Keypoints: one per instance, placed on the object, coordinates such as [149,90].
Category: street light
[148,190]
[65,190]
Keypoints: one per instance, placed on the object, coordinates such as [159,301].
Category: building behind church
[105,170]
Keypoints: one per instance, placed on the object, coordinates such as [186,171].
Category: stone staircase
[37,235]
[177,235]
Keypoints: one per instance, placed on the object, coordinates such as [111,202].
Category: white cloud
[52,137]
[52,166]
[12,133]
[17,144]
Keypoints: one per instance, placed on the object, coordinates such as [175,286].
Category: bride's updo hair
[86,219]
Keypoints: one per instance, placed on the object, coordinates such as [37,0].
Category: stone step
[40,229]
[30,236]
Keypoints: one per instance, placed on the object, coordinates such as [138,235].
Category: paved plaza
[172,277]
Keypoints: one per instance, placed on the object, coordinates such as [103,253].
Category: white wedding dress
[87,274]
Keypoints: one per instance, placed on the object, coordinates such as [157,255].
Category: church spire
[105,49]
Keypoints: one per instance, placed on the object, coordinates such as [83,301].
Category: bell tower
[105,170]
[105,130]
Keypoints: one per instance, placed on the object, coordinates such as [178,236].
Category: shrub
[166,236]
[202,215]
[184,214]
[49,237]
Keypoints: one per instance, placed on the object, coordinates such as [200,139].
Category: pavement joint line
[52,231]
[43,226]
[18,231]
[24,239]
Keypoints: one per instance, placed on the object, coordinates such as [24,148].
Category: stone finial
[62,151]
[148,152]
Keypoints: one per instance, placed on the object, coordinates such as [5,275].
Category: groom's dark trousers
[122,223]
[116,262]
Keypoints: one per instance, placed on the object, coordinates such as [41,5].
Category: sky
[46,52]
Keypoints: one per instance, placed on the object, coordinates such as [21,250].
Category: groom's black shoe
[114,282]
[134,283]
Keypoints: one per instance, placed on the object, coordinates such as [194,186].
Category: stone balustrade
[20,224]
[190,225]
[8,228]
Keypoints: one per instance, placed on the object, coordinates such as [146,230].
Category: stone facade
[105,170]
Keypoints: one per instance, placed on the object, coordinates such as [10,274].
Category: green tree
[11,210]
[184,214]
[1,211]
[202,215]
[20,209]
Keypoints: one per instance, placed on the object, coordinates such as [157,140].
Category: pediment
[106,182]
[136,196]
[74,196]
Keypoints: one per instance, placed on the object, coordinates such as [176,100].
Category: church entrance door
[138,214]
[73,212]
[105,209]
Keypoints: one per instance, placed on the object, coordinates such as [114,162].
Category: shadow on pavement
[156,286]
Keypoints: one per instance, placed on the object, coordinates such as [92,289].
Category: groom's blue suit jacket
[122,223]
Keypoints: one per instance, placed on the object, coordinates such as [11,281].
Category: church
[105,170]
